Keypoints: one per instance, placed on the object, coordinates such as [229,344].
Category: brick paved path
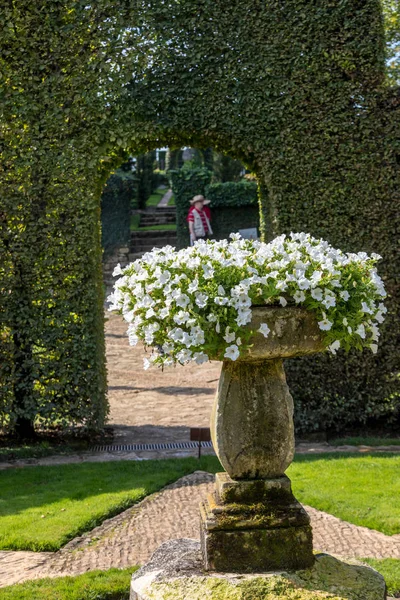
[131,537]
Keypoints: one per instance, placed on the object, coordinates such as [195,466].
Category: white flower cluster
[194,303]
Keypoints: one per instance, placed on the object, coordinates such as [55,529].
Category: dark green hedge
[116,202]
[233,206]
[241,193]
[295,90]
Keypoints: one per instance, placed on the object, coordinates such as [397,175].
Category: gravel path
[131,537]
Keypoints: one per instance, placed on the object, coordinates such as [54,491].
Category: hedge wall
[116,203]
[233,206]
[295,90]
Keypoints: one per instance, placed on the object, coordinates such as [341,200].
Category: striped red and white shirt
[203,214]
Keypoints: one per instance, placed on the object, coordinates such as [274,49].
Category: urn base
[254,526]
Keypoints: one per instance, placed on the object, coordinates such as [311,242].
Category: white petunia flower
[200,358]
[208,271]
[361,331]
[232,352]
[146,364]
[183,356]
[221,301]
[374,348]
[334,346]
[282,301]
[182,300]
[316,293]
[181,317]
[117,270]
[345,295]
[201,299]
[193,286]
[264,329]
[325,324]
[329,300]
[299,296]
[229,335]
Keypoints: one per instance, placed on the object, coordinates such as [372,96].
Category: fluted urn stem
[252,419]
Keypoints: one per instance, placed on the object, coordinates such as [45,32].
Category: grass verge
[390,569]
[156,196]
[42,508]
[363,490]
[95,585]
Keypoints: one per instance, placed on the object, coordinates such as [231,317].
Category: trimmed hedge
[116,202]
[233,206]
[295,90]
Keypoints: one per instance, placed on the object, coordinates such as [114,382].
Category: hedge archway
[295,90]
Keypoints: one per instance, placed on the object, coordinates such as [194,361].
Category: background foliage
[297,91]
[117,198]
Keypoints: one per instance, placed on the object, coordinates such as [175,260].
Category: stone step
[149,247]
[135,255]
[146,236]
[146,220]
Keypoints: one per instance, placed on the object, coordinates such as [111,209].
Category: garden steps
[145,241]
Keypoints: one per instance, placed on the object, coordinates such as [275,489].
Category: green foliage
[116,202]
[95,585]
[233,206]
[229,194]
[391,12]
[226,168]
[296,91]
[147,181]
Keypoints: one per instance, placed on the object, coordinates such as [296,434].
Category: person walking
[199,218]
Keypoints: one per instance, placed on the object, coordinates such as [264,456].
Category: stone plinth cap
[175,573]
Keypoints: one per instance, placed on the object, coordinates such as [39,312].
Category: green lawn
[41,508]
[156,196]
[364,490]
[95,585]
[114,584]
[135,225]
[390,569]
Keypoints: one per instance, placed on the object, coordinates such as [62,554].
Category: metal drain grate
[135,447]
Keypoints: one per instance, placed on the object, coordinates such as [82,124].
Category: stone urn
[252,522]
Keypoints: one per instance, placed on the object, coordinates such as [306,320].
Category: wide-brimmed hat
[199,198]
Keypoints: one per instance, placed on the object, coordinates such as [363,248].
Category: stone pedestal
[253,523]
[254,526]
[175,572]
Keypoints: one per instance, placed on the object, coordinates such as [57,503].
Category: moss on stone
[328,579]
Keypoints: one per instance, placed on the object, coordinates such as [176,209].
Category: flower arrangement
[194,303]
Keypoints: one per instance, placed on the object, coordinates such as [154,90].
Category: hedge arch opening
[295,90]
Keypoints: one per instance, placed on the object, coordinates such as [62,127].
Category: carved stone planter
[253,523]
